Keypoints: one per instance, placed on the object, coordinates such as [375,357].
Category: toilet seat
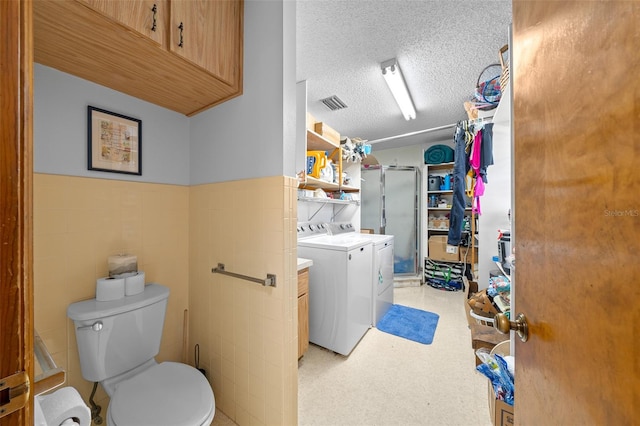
[166,394]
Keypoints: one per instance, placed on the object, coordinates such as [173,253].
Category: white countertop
[304,263]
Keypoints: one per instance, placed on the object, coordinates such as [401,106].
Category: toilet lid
[166,394]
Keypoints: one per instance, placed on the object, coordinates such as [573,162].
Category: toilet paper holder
[15,391]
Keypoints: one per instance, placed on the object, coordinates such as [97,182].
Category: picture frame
[114,142]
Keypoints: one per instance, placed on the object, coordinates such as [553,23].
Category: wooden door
[147,17]
[576,123]
[16,297]
[208,34]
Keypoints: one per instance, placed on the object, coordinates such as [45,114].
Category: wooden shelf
[313,183]
[441,166]
[347,188]
[317,142]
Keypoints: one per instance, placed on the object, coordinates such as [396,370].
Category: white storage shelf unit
[441,224]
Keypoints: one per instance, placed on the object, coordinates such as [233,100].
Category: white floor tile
[388,380]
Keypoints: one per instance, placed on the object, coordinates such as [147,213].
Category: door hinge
[14,393]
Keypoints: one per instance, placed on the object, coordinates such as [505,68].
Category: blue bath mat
[410,323]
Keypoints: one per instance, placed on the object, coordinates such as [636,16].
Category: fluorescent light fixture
[393,76]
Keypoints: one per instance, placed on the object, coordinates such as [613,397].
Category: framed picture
[115,142]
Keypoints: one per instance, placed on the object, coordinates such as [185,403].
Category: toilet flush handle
[96,326]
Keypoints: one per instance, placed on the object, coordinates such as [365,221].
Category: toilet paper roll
[63,406]
[122,263]
[109,288]
[134,284]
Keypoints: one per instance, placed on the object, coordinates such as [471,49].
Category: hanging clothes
[460,169]
[475,161]
[473,155]
[486,154]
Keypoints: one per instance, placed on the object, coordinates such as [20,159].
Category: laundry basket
[482,320]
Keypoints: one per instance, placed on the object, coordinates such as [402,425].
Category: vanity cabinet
[115,44]
[303,311]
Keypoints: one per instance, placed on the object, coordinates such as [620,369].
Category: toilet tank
[130,334]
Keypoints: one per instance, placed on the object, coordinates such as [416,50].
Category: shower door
[390,205]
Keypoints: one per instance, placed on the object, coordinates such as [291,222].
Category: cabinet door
[303,324]
[147,17]
[208,34]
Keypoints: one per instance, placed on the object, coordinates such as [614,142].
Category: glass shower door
[401,213]
[371,200]
[390,205]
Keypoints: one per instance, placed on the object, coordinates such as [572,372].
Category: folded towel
[438,154]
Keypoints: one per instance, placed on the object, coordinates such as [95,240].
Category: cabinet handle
[154,9]
[181,26]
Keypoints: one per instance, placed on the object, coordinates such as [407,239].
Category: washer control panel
[340,228]
[312,229]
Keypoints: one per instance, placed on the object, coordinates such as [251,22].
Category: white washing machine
[340,300]
[382,273]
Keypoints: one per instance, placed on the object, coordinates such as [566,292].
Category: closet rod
[433,129]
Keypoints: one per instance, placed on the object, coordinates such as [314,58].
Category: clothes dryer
[382,272]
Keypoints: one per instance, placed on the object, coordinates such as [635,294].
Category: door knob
[520,326]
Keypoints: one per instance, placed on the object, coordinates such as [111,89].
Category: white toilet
[117,343]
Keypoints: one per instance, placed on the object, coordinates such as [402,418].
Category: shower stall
[390,204]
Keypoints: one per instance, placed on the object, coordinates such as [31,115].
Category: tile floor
[388,380]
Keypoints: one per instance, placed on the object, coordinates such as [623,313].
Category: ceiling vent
[334,103]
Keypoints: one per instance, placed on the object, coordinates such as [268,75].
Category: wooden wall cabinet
[206,33]
[113,43]
[147,17]
[303,311]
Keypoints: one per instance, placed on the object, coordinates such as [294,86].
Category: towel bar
[270,281]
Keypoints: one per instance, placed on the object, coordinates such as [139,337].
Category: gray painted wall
[496,200]
[412,155]
[60,129]
[250,136]
[253,135]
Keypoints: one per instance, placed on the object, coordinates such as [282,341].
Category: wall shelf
[313,183]
[438,214]
[328,200]
[317,142]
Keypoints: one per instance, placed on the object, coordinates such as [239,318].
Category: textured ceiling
[441,47]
